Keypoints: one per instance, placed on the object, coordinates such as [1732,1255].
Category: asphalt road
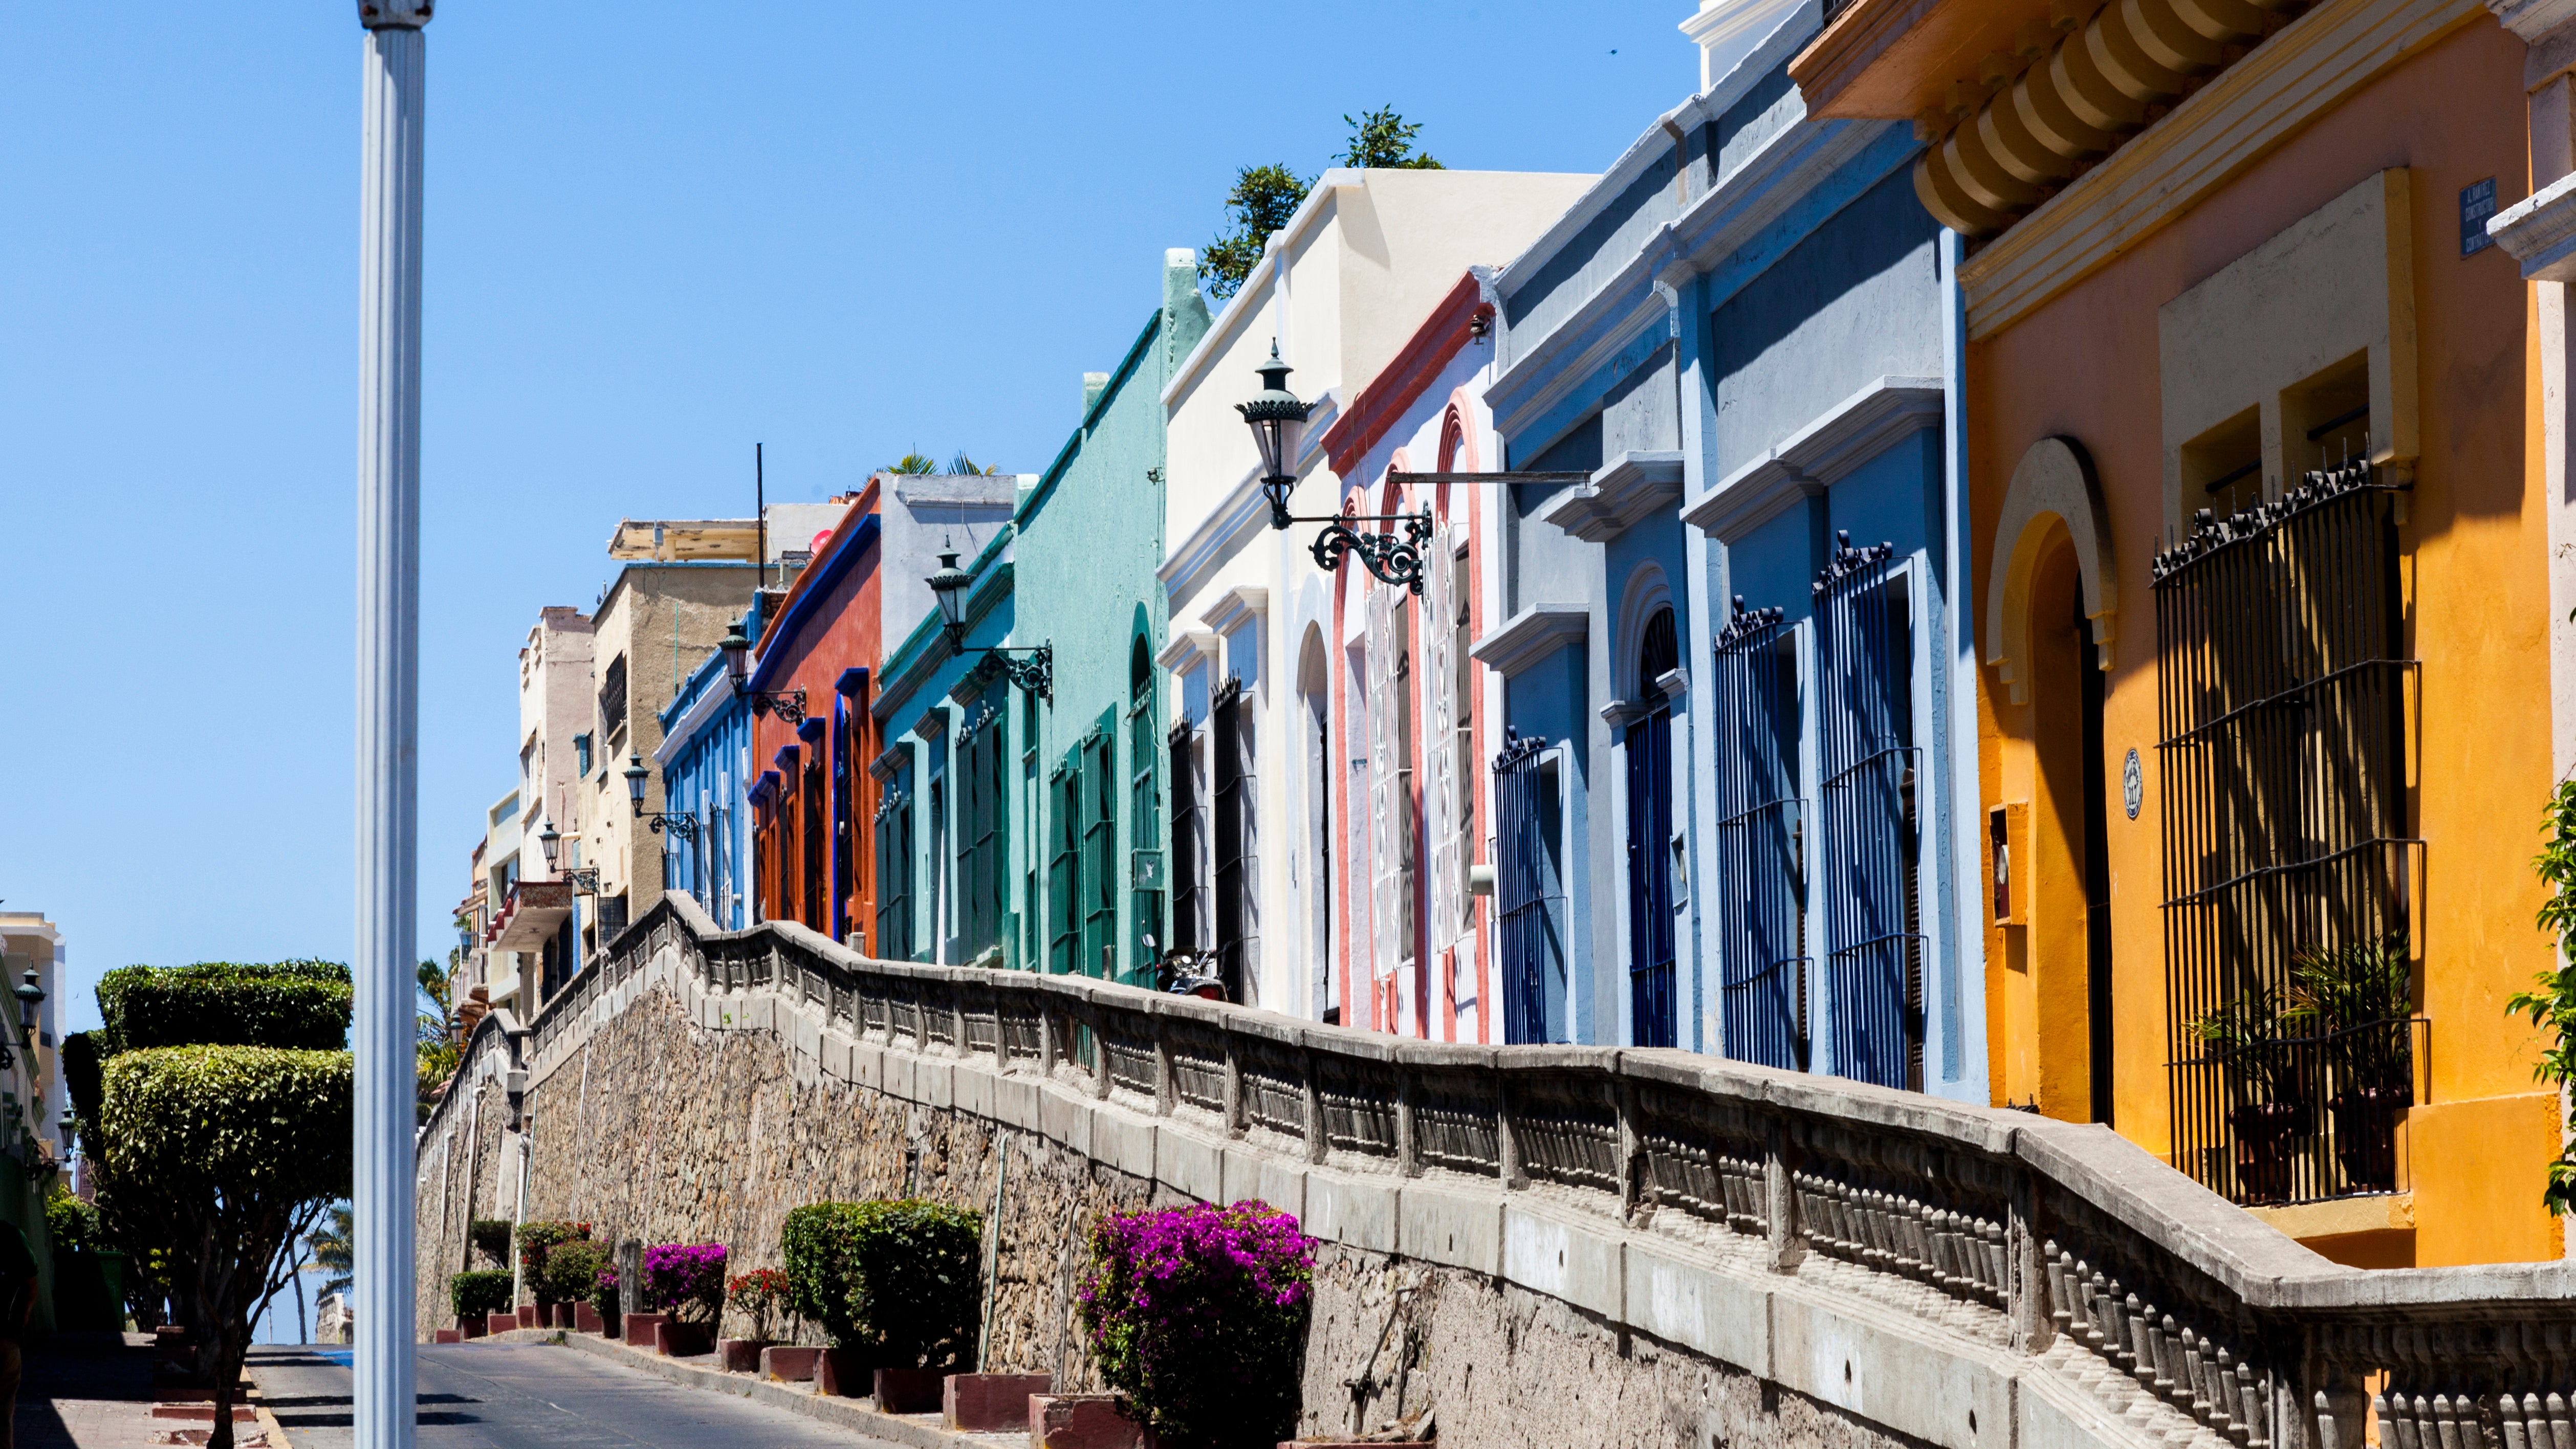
[531,1396]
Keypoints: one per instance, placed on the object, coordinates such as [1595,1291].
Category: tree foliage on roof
[1264,198]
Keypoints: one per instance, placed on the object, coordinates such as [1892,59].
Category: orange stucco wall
[2086,366]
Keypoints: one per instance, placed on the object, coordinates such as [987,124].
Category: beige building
[31,1090]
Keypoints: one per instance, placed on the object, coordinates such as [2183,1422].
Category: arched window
[1145,808]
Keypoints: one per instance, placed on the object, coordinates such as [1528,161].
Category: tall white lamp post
[388,712]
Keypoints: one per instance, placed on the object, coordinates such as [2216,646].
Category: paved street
[531,1396]
[85,1392]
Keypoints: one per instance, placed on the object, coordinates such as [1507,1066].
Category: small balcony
[530,916]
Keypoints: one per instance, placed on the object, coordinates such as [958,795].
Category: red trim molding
[1380,405]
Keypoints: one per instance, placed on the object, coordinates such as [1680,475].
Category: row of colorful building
[2004,548]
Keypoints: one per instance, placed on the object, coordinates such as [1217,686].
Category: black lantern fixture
[1035,674]
[550,840]
[69,1126]
[656,820]
[788,704]
[1275,416]
[30,996]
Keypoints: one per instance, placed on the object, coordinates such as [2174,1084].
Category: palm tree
[331,1249]
[914,462]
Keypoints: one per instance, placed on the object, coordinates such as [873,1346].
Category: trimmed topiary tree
[572,1271]
[1199,1313]
[478,1295]
[226,1154]
[537,1242]
[902,1280]
[299,1005]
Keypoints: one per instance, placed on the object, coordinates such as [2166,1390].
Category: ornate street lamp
[948,584]
[657,820]
[1276,415]
[789,704]
[69,1126]
[582,878]
[30,996]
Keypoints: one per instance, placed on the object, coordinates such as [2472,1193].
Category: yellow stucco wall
[2085,365]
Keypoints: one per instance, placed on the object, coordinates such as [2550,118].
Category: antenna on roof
[760,518]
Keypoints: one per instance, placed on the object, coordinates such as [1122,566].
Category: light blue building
[1735,658]
[705,763]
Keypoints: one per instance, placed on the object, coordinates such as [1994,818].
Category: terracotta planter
[585,1319]
[501,1323]
[473,1327]
[528,1316]
[1085,1421]
[740,1355]
[682,1340]
[448,1335]
[845,1373]
[909,1390]
[563,1315]
[788,1364]
[2265,1135]
[639,1328]
[989,1403]
[2365,1132]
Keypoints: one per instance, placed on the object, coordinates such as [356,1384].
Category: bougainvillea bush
[902,1280]
[1199,1313]
[686,1280]
[537,1238]
[759,1296]
[603,1301]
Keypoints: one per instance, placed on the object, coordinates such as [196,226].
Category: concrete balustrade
[1963,1276]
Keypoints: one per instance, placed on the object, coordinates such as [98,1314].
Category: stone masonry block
[1066,1119]
[1562,1260]
[1725,1317]
[1948,1394]
[1186,1163]
[1276,1181]
[973,1084]
[1015,1103]
[934,1085]
[1454,1229]
[1353,1214]
[867,1066]
[1123,1142]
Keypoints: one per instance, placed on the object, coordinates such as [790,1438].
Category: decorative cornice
[1236,606]
[2533,20]
[1807,462]
[892,759]
[2539,231]
[1531,636]
[1185,648]
[933,723]
[2210,136]
[1629,489]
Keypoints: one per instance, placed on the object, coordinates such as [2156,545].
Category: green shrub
[71,1223]
[80,1074]
[228,1122]
[572,1271]
[539,1239]
[292,1005]
[490,1236]
[902,1279]
[474,1295]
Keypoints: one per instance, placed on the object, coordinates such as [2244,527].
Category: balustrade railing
[2060,1240]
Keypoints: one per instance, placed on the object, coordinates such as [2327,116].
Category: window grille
[985,825]
[1189,834]
[1238,855]
[1099,847]
[1652,1015]
[1873,912]
[1390,800]
[812,913]
[1064,867]
[1144,809]
[1761,847]
[2282,667]
[894,871]
[847,742]
[1442,795]
[1529,887]
[612,699]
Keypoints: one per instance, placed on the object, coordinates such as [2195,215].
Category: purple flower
[1200,1312]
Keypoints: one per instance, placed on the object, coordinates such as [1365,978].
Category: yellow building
[2261,524]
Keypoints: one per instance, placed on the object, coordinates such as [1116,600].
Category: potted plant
[603,1302]
[686,1281]
[572,1275]
[758,1296]
[1199,1314]
[2267,1100]
[2358,999]
[896,1289]
[536,1239]
[476,1297]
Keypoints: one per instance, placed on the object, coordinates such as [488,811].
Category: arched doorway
[1653,1014]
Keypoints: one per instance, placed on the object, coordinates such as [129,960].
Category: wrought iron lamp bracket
[584,879]
[787,704]
[682,826]
[1393,560]
[1035,674]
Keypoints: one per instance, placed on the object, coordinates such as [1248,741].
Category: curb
[845,1413]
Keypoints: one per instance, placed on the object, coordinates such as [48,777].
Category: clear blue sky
[657,232]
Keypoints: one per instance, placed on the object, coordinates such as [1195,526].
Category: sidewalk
[87,1391]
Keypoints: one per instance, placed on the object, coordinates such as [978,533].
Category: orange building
[2261,520]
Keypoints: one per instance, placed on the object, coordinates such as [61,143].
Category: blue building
[705,763]
[1736,680]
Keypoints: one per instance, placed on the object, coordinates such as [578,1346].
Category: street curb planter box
[639,1328]
[203,1413]
[585,1319]
[1084,1421]
[1431,1443]
[844,1373]
[564,1316]
[528,1316]
[740,1355]
[500,1323]
[989,1403]
[909,1390]
[680,1340]
[473,1328]
[788,1365]
[448,1335]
